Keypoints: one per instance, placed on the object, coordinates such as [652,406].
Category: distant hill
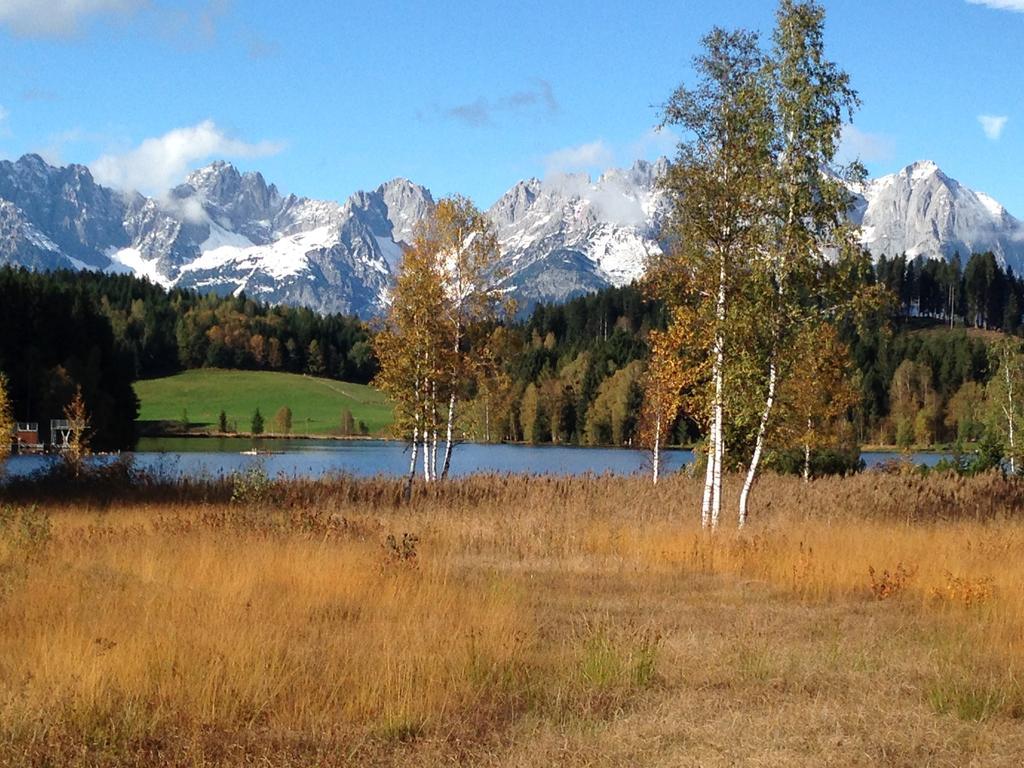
[316,403]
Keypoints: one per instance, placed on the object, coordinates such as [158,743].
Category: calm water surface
[196,457]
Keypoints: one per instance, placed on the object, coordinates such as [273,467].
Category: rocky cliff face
[920,211]
[567,235]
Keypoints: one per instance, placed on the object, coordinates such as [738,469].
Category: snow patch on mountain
[279,259]
[131,261]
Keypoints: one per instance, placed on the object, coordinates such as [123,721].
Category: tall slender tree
[1005,389]
[443,295]
[720,187]
[408,348]
[811,99]
[468,254]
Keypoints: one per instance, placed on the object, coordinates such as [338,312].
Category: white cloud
[59,18]
[1002,5]
[993,125]
[595,154]
[159,163]
[855,144]
[655,143]
[3,114]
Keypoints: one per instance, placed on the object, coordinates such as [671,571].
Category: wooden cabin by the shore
[26,437]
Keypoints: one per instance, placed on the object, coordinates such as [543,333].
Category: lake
[197,456]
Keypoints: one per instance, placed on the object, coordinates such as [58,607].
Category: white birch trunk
[433,421]
[657,447]
[412,463]
[807,455]
[1009,416]
[426,436]
[709,481]
[719,406]
[755,459]
[448,438]
[716,490]
[414,448]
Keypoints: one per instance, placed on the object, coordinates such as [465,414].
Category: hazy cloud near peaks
[855,144]
[158,163]
[482,111]
[1002,5]
[993,125]
[59,18]
[594,154]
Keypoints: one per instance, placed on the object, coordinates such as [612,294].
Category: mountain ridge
[227,230]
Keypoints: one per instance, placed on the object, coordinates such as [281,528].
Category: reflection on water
[196,457]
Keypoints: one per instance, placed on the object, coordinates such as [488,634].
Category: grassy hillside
[316,403]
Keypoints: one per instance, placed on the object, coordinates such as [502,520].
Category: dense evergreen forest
[568,373]
[66,329]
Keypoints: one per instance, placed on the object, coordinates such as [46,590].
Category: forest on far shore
[571,371]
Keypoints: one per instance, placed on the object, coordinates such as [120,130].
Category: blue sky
[330,97]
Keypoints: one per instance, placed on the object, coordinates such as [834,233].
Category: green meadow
[316,404]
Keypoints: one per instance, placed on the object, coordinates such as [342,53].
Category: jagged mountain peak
[229,231]
[921,211]
[221,182]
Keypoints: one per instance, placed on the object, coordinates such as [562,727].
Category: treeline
[981,294]
[575,369]
[163,331]
[54,339]
[63,329]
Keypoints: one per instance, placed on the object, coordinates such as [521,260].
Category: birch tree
[811,99]
[468,255]
[443,297]
[677,368]
[1005,389]
[411,351]
[719,186]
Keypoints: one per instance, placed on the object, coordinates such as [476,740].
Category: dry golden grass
[875,620]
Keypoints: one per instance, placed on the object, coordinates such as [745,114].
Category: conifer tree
[256,426]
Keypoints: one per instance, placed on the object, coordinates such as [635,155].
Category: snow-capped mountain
[561,237]
[920,211]
[220,230]
[567,236]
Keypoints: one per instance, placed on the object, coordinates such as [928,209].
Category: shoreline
[162,435]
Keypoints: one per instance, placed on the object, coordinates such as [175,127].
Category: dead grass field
[870,621]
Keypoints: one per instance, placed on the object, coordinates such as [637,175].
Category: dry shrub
[965,591]
[888,584]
